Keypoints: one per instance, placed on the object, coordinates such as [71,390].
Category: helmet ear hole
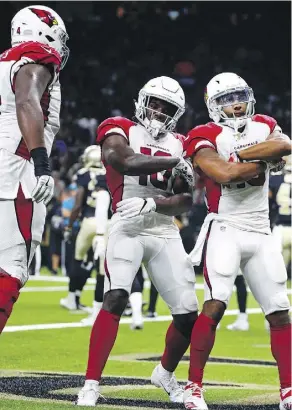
[50,39]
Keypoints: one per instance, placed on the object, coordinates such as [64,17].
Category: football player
[144,164]
[30,108]
[236,233]
[92,205]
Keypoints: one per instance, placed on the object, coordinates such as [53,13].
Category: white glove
[275,166]
[67,234]
[98,245]
[44,189]
[131,207]
[185,170]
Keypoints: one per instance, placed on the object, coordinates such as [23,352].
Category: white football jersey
[243,205]
[14,156]
[143,186]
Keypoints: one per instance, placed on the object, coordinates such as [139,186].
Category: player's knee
[184,323]
[188,302]
[279,303]
[9,293]
[222,293]
[214,309]
[115,301]
[279,318]
[279,310]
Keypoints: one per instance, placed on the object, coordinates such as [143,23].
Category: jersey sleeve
[34,53]
[202,136]
[269,121]
[114,125]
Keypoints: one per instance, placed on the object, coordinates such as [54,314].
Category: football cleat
[89,320]
[137,322]
[286,399]
[241,323]
[151,315]
[167,380]
[193,397]
[89,394]
[69,302]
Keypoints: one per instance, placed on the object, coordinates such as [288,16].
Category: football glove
[44,189]
[67,234]
[275,166]
[128,208]
[98,245]
[185,170]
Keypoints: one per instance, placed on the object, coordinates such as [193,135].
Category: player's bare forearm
[31,82]
[174,205]
[74,215]
[224,172]
[138,164]
[118,154]
[77,206]
[270,150]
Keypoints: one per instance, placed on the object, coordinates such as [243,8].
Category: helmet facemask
[156,122]
[228,98]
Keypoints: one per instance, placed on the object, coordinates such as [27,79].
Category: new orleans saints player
[92,189]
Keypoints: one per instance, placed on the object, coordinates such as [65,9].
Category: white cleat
[89,394]
[286,399]
[89,320]
[68,303]
[241,323]
[267,325]
[193,397]
[137,324]
[167,380]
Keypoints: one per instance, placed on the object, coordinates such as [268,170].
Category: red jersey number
[160,183]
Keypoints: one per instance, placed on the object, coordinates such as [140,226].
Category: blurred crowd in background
[117,46]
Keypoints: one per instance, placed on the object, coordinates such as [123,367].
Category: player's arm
[77,206]
[222,172]
[117,153]
[175,204]
[31,82]
[178,203]
[277,145]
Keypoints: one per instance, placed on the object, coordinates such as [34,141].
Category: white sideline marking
[50,289]
[48,326]
[92,281]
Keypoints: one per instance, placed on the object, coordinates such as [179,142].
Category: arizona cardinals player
[29,120]
[236,233]
[143,160]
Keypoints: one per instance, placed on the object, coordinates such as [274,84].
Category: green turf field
[43,368]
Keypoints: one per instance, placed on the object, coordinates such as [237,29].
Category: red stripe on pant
[107,272]
[24,214]
[205,269]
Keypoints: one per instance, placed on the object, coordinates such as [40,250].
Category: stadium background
[115,48]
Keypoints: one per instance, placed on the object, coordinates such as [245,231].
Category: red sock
[281,350]
[9,292]
[175,347]
[202,342]
[102,339]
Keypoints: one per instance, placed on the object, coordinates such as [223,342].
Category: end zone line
[49,326]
